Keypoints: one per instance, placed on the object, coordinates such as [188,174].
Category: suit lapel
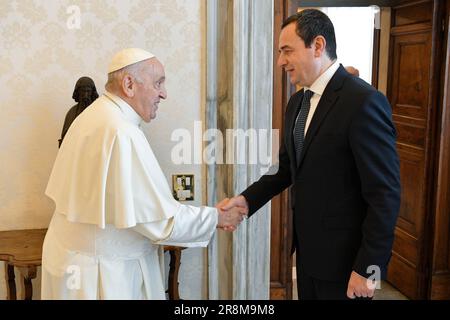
[327,101]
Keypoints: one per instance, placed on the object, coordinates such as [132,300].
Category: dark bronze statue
[84,93]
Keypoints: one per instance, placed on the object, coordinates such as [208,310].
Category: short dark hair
[311,23]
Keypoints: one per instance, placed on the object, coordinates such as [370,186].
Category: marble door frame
[239,95]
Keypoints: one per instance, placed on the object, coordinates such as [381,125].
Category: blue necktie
[299,130]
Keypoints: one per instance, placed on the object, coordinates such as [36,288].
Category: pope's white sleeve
[190,227]
[157,230]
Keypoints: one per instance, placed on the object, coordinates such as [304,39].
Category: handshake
[231,212]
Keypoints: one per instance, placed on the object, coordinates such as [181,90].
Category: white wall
[354,37]
[40,61]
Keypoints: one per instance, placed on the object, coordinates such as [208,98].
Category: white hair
[115,78]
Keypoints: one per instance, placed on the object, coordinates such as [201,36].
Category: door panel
[412,93]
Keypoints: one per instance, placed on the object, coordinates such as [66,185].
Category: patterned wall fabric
[40,60]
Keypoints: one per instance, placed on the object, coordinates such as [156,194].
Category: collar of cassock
[126,109]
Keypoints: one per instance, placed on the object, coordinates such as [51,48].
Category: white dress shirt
[318,87]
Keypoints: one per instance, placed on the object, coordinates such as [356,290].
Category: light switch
[183,187]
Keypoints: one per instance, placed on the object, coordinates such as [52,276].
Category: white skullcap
[128,57]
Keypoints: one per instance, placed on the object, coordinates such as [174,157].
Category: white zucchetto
[128,57]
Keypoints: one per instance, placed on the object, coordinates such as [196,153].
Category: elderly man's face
[149,93]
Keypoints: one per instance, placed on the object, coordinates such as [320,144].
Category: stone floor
[387,291]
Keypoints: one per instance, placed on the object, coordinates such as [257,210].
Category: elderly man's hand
[239,203]
[229,219]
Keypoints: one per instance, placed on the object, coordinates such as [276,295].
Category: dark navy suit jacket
[346,190]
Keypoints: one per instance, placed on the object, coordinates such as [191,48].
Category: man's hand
[230,219]
[352,70]
[358,286]
[238,201]
[231,205]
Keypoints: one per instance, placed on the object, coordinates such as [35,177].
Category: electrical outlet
[183,187]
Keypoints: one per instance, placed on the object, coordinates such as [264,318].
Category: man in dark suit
[339,155]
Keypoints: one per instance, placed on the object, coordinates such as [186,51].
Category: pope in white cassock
[114,208]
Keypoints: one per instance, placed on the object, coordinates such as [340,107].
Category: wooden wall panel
[412,207]
[413,14]
[440,281]
[413,91]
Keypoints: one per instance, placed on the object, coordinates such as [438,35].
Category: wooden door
[281,225]
[413,91]
[440,271]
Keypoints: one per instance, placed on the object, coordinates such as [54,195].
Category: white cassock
[114,210]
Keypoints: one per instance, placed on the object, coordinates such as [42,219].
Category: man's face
[299,62]
[150,92]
